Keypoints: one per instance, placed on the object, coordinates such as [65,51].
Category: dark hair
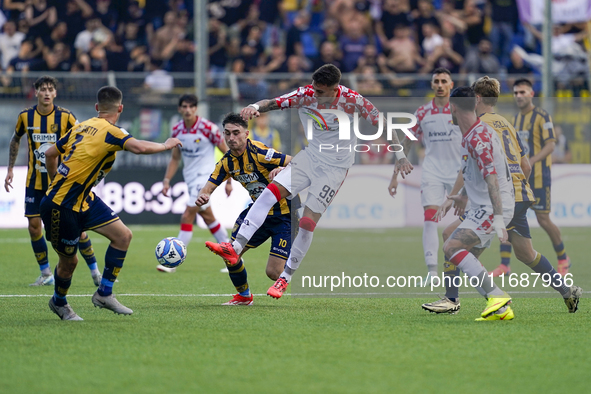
[234,118]
[464,98]
[327,75]
[108,97]
[190,99]
[523,81]
[441,70]
[46,79]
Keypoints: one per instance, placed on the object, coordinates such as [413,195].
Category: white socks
[430,245]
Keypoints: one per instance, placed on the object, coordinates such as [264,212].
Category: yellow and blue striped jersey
[88,153]
[252,170]
[42,132]
[535,130]
[514,152]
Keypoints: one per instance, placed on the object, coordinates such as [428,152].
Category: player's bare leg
[299,248]
[120,236]
[275,267]
[554,233]
[40,249]
[430,242]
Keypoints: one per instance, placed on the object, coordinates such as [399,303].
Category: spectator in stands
[331,30]
[296,71]
[108,14]
[131,37]
[276,62]
[424,14]
[183,59]
[117,56]
[135,15]
[10,43]
[64,56]
[517,66]
[504,18]
[328,55]
[95,35]
[75,16]
[251,50]
[370,58]
[352,43]
[26,59]
[13,8]
[58,34]
[158,81]
[260,130]
[41,18]
[432,39]
[392,17]
[95,60]
[218,56]
[403,51]
[298,39]
[444,56]
[474,19]
[367,83]
[250,88]
[163,36]
[139,60]
[483,61]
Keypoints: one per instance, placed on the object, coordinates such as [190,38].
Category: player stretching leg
[487,185]
[442,141]
[323,171]
[487,92]
[253,165]
[87,155]
[43,124]
[199,137]
[536,132]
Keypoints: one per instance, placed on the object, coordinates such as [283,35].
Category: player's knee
[126,237]
[67,265]
[35,229]
[525,256]
[273,272]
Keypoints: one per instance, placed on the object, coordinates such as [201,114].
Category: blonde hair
[487,88]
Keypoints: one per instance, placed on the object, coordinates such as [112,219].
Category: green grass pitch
[181,340]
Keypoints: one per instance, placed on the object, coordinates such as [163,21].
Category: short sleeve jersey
[88,153]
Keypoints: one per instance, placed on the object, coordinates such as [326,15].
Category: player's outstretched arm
[205,193]
[173,166]
[143,147]
[495,197]
[12,155]
[255,110]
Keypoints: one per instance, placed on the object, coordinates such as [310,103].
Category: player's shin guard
[542,266]
[114,259]
[40,250]
[450,272]
[186,233]
[218,232]
[61,288]
[256,216]
[506,254]
[470,265]
[239,277]
[299,247]
[430,241]
[86,250]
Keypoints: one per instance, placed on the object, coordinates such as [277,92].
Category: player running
[442,140]
[536,132]
[488,187]
[321,169]
[253,165]
[199,137]
[487,91]
[44,124]
[87,155]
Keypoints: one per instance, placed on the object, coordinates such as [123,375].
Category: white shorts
[433,192]
[194,188]
[323,180]
[480,219]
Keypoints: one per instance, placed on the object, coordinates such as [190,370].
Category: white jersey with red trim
[483,155]
[325,143]
[442,141]
[199,143]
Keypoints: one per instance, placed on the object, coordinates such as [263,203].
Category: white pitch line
[260,295]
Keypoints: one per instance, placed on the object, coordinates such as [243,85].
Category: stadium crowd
[367,37]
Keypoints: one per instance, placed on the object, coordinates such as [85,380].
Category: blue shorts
[32,201]
[519,222]
[542,196]
[63,226]
[278,228]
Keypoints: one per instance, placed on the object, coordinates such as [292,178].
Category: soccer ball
[171,252]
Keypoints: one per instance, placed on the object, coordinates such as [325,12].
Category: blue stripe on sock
[44,266]
[245,293]
[93,266]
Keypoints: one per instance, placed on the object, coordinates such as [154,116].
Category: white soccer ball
[171,252]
